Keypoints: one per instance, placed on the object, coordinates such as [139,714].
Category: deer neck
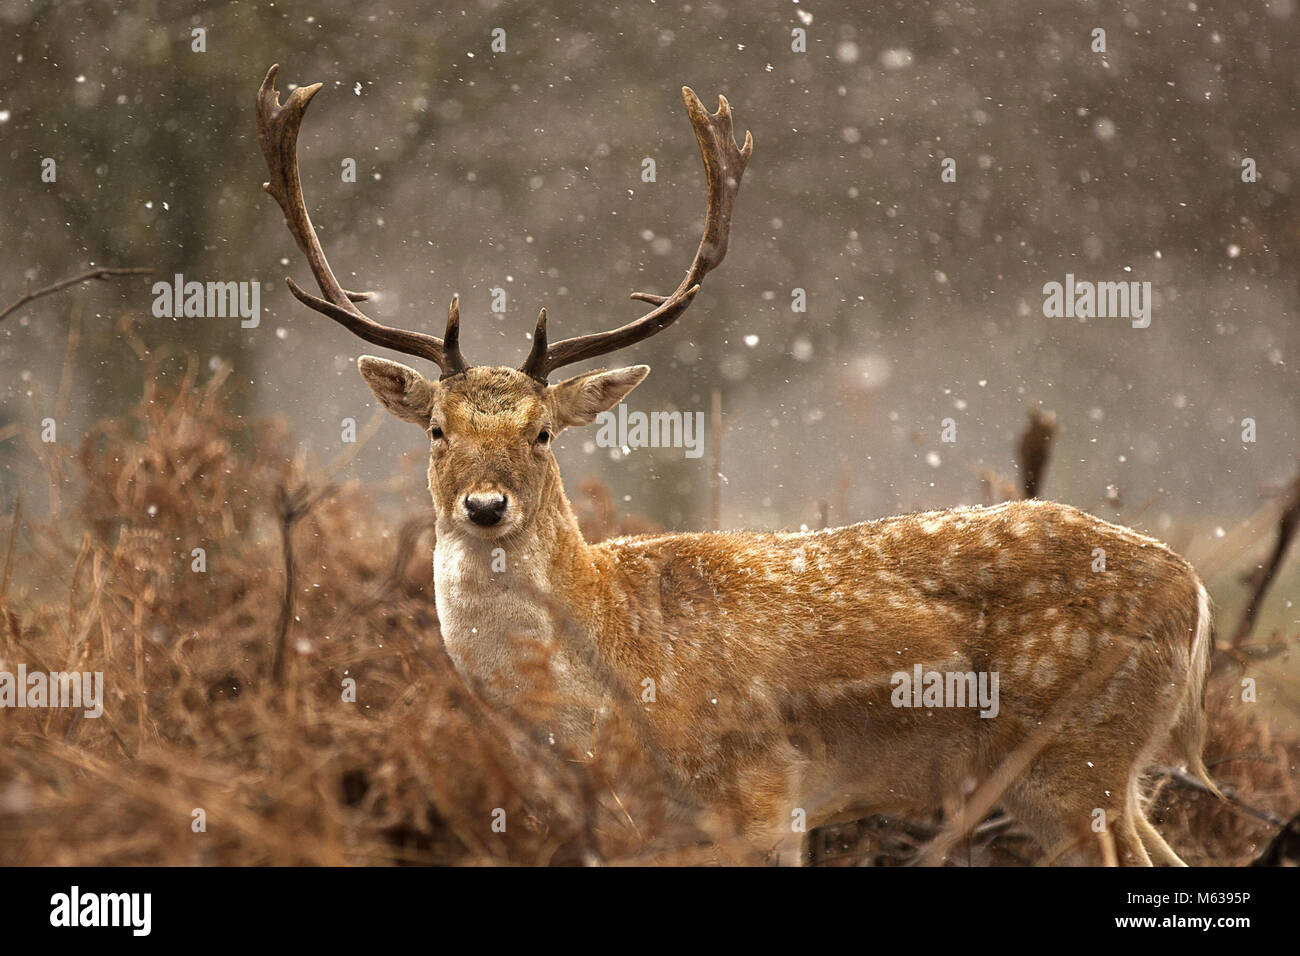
[507,604]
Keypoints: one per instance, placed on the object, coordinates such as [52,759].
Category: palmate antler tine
[724,164]
[277,134]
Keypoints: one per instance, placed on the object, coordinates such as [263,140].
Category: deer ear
[578,400]
[402,390]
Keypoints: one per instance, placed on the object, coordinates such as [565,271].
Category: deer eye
[435,432]
[543,436]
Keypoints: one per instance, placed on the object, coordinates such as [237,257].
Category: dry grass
[285,772]
[288,772]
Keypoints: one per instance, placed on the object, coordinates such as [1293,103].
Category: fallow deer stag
[782,662]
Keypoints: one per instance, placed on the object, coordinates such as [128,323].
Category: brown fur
[771,655]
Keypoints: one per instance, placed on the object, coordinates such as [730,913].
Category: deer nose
[485,507]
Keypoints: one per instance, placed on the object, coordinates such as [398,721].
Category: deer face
[490,431]
[490,428]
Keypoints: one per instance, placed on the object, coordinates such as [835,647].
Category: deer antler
[724,164]
[277,134]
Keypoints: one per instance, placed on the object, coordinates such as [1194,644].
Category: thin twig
[1188,782]
[293,507]
[715,473]
[100,274]
[1286,530]
[9,550]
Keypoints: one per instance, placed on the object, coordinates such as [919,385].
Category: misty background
[522,170]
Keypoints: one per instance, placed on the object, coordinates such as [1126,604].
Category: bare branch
[1188,782]
[294,506]
[1287,525]
[100,274]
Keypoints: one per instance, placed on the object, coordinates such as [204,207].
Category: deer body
[773,657]
[762,671]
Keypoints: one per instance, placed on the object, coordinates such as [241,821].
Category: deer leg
[1128,841]
[1156,845]
[1063,801]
